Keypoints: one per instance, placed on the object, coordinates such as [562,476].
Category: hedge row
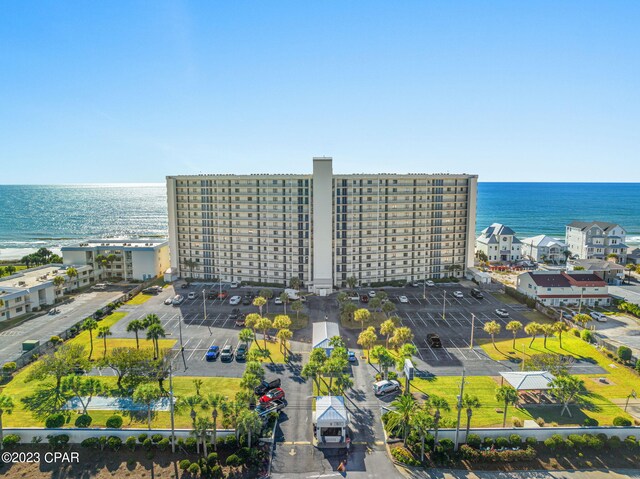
[495,455]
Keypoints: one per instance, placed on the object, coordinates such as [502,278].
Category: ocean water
[33,216]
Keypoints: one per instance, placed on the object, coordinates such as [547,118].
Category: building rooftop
[598,265]
[529,380]
[543,241]
[330,409]
[323,332]
[498,229]
[117,243]
[583,225]
[29,278]
[566,280]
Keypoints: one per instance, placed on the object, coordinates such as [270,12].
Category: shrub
[586,335]
[624,353]
[194,468]
[55,339]
[469,453]
[590,422]
[230,440]
[447,445]
[576,332]
[147,444]
[114,443]
[215,472]
[515,440]
[184,464]
[554,442]
[517,422]
[190,444]
[614,442]
[621,421]
[577,440]
[90,443]
[473,440]
[233,461]
[9,368]
[156,438]
[11,440]
[487,442]
[531,441]
[502,442]
[114,422]
[540,422]
[212,458]
[594,442]
[131,442]
[58,440]
[164,443]
[631,442]
[402,455]
[638,365]
[142,437]
[54,421]
[84,420]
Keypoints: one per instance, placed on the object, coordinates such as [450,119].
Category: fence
[76,436]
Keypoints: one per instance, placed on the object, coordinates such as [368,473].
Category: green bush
[469,453]
[473,440]
[621,421]
[147,444]
[212,458]
[230,440]
[590,422]
[215,471]
[55,339]
[540,422]
[447,445]
[638,365]
[234,461]
[576,332]
[190,444]
[58,440]
[577,440]
[84,420]
[554,442]
[142,437]
[156,438]
[502,442]
[184,464]
[531,441]
[404,456]
[55,421]
[624,353]
[114,422]
[631,442]
[131,442]
[194,468]
[164,443]
[595,442]
[487,442]
[614,442]
[586,335]
[90,443]
[11,440]
[114,443]
[515,440]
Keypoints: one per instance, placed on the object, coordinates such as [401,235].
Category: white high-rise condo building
[322,228]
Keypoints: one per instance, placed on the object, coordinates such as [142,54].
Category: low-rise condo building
[559,288]
[129,259]
[499,243]
[596,240]
[31,289]
[612,273]
[321,228]
[543,248]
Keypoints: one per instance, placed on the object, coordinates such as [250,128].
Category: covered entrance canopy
[330,420]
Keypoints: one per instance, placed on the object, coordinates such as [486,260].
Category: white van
[599,317]
[99,286]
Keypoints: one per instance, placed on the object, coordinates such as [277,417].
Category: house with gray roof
[543,248]
[596,240]
[499,243]
[611,272]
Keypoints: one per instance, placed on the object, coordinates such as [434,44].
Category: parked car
[602,318]
[403,299]
[364,298]
[476,293]
[168,301]
[212,353]
[277,300]
[433,340]
[385,386]
[266,386]
[223,294]
[191,295]
[234,284]
[503,313]
[566,315]
[430,283]
[247,300]
[185,286]
[351,356]
[212,294]
[273,406]
[353,296]
[240,321]
[458,294]
[178,299]
[235,300]
[235,313]
[272,395]
[53,311]
[241,351]
[372,294]
[227,353]
[415,284]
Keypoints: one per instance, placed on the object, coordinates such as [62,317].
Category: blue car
[351,356]
[212,353]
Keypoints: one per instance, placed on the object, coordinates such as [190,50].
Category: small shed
[481,277]
[322,333]
[331,421]
[529,381]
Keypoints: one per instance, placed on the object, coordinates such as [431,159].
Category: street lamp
[444,303]
[631,395]
[459,406]
[204,305]
[473,324]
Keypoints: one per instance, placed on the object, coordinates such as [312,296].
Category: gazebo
[529,381]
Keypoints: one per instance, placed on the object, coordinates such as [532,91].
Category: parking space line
[204,356]
[422,319]
[416,298]
[410,318]
[417,349]
[434,298]
[194,350]
[430,350]
[458,349]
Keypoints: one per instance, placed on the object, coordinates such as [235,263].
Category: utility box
[30,344]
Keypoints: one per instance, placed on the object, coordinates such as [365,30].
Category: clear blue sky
[134,91]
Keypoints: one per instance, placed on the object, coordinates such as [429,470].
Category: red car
[277,393]
[223,294]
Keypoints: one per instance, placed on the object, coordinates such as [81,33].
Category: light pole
[181,345]
[444,303]
[459,406]
[580,305]
[632,395]
[204,305]
[473,324]
[172,407]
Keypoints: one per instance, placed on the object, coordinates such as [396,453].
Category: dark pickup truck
[274,406]
[266,386]
[433,340]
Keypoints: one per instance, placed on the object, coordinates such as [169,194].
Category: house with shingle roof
[596,240]
[564,288]
[499,243]
[543,248]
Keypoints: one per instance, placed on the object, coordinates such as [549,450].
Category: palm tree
[232,410]
[284,297]
[388,307]
[387,328]
[384,358]
[404,407]
[189,263]
[267,294]
[246,335]
[342,297]
[202,426]
[147,394]
[560,327]
[104,332]
[294,283]
[154,333]
[437,403]
[216,402]
[401,336]
[351,282]
[284,335]
[264,324]
[90,324]
[71,273]
[135,326]
[547,330]
[422,422]
[58,281]
[362,315]
[532,329]
[367,339]
[191,403]
[583,319]
[507,395]
[150,319]
[297,306]
[471,403]
[249,422]
[6,405]
[259,302]
[514,327]
[492,328]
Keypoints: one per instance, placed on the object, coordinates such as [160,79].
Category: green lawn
[274,348]
[537,316]
[505,298]
[491,412]
[300,321]
[571,346]
[139,299]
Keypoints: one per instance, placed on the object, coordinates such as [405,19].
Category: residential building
[499,243]
[321,228]
[559,288]
[543,248]
[633,256]
[129,259]
[31,289]
[596,240]
[612,273]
